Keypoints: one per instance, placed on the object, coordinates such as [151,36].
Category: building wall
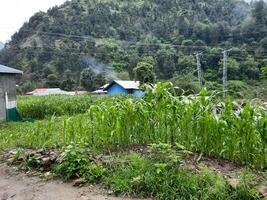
[2,104]
[7,85]
[116,89]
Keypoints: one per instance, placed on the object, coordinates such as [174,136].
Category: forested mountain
[113,36]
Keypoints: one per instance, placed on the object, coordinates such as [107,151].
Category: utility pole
[225,57]
[199,70]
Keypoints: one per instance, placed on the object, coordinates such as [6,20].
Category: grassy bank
[160,173]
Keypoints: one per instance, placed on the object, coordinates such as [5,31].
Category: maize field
[39,107]
[202,123]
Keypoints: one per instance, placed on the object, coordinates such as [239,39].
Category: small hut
[8,109]
[119,87]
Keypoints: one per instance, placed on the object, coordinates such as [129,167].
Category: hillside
[113,36]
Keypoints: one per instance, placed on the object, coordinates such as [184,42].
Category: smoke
[100,68]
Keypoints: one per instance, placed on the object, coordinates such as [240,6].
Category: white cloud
[13,13]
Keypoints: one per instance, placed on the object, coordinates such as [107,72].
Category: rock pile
[43,159]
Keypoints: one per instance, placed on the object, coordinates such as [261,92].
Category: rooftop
[46,91]
[9,70]
[125,84]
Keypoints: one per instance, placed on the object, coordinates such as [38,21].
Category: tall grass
[39,107]
[201,123]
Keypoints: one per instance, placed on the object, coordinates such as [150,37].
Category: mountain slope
[118,34]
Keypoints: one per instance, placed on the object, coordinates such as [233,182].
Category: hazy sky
[13,13]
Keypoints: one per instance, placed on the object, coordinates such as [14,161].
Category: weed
[77,163]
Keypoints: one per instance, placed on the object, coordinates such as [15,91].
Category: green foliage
[233,69]
[90,80]
[237,131]
[68,84]
[144,72]
[143,178]
[237,88]
[126,32]
[264,72]
[52,81]
[187,84]
[163,153]
[77,163]
[27,86]
[87,79]
[244,189]
[186,64]
[47,106]
[32,162]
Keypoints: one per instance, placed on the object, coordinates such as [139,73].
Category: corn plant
[202,123]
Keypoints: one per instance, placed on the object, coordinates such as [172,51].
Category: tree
[52,81]
[186,82]
[87,79]
[144,72]
[259,12]
[148,59]
[154,32]
[233,69]
[100,80]
[250,68]
[166,63]
[237,88]
[68,82]
[186,64]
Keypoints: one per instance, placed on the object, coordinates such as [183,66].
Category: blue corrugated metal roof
[9,70]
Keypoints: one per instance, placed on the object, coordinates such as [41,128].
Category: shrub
[77,163]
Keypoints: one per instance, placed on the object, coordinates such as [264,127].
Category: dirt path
[17,186]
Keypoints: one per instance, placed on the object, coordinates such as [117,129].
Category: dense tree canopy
[122,33]
[144,72]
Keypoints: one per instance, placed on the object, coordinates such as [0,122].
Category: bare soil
[18,186]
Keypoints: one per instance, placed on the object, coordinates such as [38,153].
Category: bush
[77,163]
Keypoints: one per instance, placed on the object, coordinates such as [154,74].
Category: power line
[218,55]
[71,36]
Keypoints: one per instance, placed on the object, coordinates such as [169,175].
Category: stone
[46,162]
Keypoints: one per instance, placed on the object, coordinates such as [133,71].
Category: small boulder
[46,162]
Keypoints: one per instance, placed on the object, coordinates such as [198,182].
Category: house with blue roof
[118,87]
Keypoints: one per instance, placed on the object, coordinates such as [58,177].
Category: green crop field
[39,107]
[202,123]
